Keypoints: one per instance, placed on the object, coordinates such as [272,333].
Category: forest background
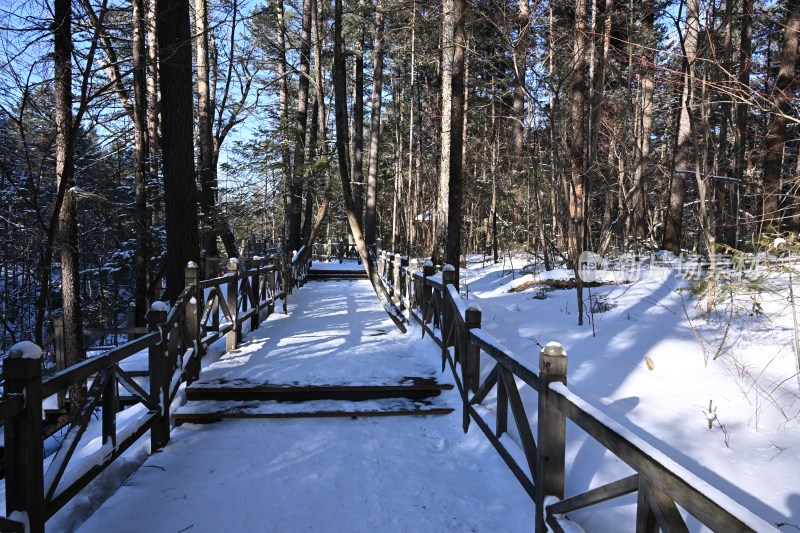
[134,132]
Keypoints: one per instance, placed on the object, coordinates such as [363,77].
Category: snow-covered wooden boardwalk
[344,474]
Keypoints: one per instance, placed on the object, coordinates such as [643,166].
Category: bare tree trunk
[441,216]
[301,123]
[68,212]
[577,197]
[742,106]
[412,90]
[141,221]
[175,52]
[639,196]
[370,215]
[153,100]
[358,117]
[291,233]
[775,140]
[340,94]
[673,223]
[454,218]
[520,51]
[205,134]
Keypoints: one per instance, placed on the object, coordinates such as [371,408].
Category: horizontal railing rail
[661,484]
[175,342]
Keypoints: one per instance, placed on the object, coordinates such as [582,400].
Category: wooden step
[213,411]
[325,275]
[411,388]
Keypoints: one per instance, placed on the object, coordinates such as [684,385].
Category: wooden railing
[176,341]
[661,485]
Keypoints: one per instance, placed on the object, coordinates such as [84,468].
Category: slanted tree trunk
[68,212]
[318,145]
[180,197]
[442,207]
[776,134]
[225,123]
[673,223]
[358,116]
[340,101]
[370,215]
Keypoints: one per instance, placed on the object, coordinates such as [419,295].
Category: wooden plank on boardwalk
[214,410]
[244,389]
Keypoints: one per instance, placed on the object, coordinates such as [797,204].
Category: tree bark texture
[65,180]
[455,183]
[684,160]
[205,134]
[578,185]
[775,141]
[370,214]
[180,197]
[441,216]
[141,220]
[342,146]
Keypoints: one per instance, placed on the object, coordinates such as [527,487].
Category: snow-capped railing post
[472,352]
[428,270]
[233,337]
[158,364]
[23,435]
[552,430]
[255,284]
[193,312]
[396,284]
[131,322]
[403,289]
[271,284]
[448,278]
[60,351]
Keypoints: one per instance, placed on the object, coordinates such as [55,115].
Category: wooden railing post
[448,278]
[194,311]
[471,362]
[255,285]
[60,351]
[23,435]
[552,431]
[427,291]
[233,337]
[396,288]
[271,285]
[403,290]
[131,322]
[160,375]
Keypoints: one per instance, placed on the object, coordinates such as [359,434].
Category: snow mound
[25,350]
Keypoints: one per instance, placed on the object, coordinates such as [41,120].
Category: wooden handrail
[80,372]
[661,483]
[177,335]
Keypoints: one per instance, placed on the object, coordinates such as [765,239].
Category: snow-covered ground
[419,473]
[654,356]
[656,320]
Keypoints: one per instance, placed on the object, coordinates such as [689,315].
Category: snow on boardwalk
[367,474]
